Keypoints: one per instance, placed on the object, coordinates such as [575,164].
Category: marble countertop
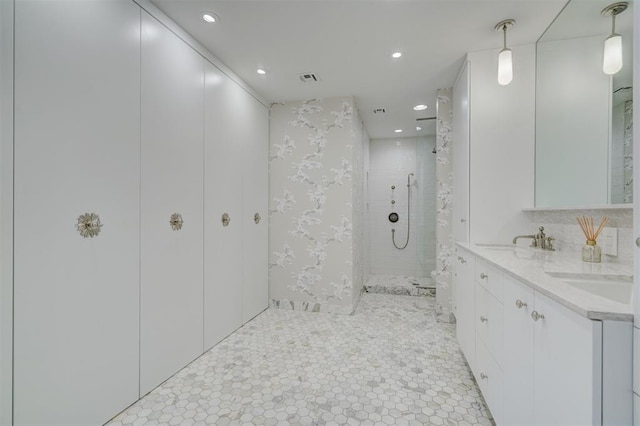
[532,265]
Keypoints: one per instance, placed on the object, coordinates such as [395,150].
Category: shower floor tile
[388,363]
[401,285]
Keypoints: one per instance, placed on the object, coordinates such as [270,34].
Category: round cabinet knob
[176,221]
[483,276]
[520,304]
[484,319]
[256,218]
[536,316]
[461,259]
[483,376]
[89,225]
[226,219]
[462,220]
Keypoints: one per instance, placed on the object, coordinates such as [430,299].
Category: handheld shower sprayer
[393,231]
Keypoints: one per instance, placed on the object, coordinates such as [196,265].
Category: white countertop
[531,265]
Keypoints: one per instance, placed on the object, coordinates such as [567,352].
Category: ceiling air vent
[309,77]
[379,111]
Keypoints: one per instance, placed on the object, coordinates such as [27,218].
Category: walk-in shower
[402,222]
[393,230]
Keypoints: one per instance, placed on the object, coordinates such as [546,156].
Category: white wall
[6,209]
[391,160]
[501,146]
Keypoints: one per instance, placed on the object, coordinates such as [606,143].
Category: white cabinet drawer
[489,277]
[489,378]
[481,319]
[489,322]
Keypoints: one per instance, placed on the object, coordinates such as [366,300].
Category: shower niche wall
[399,266]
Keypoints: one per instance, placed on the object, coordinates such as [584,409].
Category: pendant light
[612,59]
[505,60]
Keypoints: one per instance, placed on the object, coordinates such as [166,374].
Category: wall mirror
[583,116]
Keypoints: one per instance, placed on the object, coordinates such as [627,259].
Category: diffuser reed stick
[588,227]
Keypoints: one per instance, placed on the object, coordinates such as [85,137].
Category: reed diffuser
[591,251]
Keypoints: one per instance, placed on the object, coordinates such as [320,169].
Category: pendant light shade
[505,67]
[612,58]
[505,59]
[612,62]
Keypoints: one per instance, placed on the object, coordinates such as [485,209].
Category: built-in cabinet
[536,361]
[460,140]
[77,151]
[171,275]
[117,116]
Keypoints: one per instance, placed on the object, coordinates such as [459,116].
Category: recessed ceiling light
[261,71]
[210,17]
[420,107]
[398,130]
[396,55]
[418,128]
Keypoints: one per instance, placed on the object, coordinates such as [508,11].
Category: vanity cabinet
[553,362]
[536,361]
[465,304]
[488,327]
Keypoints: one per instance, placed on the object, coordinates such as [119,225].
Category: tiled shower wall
[391,160]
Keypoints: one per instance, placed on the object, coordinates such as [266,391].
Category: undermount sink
[618,288]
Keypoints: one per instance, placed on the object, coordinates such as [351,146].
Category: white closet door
[255,200]
[76,151]
[224,118]
[172,182]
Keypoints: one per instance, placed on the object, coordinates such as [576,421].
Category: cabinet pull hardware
[483,376]
[520,304]
[176,221]
[89,225]
[536,316]
[483,319]
[483,276]
[256,218]
[461,259]
[638,242]
[226,219]
[462,220]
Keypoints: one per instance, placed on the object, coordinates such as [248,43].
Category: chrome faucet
[534,243]
[539,240]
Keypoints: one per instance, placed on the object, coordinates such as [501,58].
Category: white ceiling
[348,43]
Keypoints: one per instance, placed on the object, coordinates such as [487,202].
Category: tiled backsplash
[562,225]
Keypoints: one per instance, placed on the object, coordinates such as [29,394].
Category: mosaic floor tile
[390,363]
[401,285]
